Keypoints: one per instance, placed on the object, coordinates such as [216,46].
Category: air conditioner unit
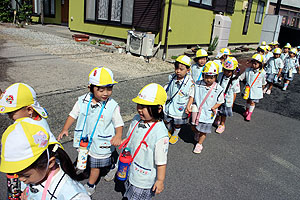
[140,43]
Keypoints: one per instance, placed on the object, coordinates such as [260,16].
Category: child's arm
[116,140]
[159,184]
[215,107]
[65,131]
[279,73]
[188,108]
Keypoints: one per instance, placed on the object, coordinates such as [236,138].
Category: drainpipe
[42,11]
[165,53]
[162,16]
[277,7]
[267,7]
[247,17]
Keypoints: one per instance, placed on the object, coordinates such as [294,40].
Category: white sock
[247,105]
[251,108]
[176,131]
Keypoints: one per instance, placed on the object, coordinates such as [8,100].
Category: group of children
[201,94]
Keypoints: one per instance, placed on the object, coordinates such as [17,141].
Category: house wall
[189,25]
[76,23]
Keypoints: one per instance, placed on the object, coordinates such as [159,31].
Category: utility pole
[277,7]
[42,11]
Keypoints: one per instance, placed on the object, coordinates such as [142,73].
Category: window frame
[50,15]
[106,22]
[257,12]
[200,5]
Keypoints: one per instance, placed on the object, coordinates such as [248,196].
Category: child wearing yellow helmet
[208,97]
[268,53]
[42,165]
[99,121]
[148,141]
[179,89]
[231,86]
[254,80]
[290,68]
[221,57]
[197,68]
[19,102]
[272,68]
[285,52]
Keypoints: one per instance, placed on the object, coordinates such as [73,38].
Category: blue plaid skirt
[175,121]
[225,111]
[135,193]
[98,163]
[204,127]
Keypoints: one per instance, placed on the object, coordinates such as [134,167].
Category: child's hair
[260,64]
[260,50]
[196,59]
[153,112]
[93,86]
[177,65]
[64,161]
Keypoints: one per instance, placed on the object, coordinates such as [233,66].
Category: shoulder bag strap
[255,78]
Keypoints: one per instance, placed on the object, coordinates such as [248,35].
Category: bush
[6,12]
[25,11]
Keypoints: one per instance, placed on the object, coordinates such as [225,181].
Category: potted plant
[212,46]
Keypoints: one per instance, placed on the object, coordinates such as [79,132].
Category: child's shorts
[225,111]
[254,100]
[135,193]
[204,127]
[286,77]
[175,120]
[97,163]
[270,78]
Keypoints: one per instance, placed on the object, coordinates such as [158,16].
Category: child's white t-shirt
[116,118]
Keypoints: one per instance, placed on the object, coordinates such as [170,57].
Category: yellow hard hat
[151,94]
[264,48]
[223,51]
[275,43]
[268,47]
[263,43]
[293,50]
[271,44]
[19,95]
[101,77]
[183,59]
[277,51]
[201,53]
[22,144]
[230,63]
[211,68]
[258,58]
[287,46]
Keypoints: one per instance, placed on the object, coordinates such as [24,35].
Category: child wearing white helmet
[179,89]
[255,79]
[197,68]
[221,57]
[208,97]
[19,102]
[285,52]
[290,68]
[98,120]
[231,86]
[148,141]
[42,165]
[272,69]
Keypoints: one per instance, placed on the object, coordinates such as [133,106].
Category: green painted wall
[76,10]
[190,25]
[51,20]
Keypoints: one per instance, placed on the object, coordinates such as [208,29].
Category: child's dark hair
[177,65]
[260,50]
[93,86]
[65,162]
[196,59]
[153,111]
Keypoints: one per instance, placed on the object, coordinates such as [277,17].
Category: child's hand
[24,194]
[214,111]
[64,132]
[188,110]
[158,187]
[116,141]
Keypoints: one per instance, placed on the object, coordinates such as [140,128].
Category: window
[259,12]
[109,11]
[285,20]
[49,7]
[201,3]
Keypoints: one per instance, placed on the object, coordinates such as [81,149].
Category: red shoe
[248,118]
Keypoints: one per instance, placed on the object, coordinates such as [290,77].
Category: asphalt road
[250,160]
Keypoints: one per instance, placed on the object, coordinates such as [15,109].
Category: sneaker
[284,88]
[173,139]
[268,92]
[265,90]
[220,129]
[111,174]
[248,118]
[217,122]
[198,148]
[90,190]
[169,134]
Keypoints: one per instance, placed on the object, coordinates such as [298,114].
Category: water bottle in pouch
[246,92]
[82,154]
[194,114]
[13,187]
[125,160]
